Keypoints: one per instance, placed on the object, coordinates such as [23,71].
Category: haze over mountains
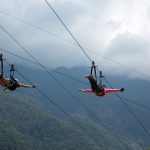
[29,121]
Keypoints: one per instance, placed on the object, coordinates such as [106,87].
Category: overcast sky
[116,30]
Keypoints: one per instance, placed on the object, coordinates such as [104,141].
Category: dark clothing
[13,84]
[12,87]
[98,89]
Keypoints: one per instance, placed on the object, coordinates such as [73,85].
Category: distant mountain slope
[11,138]
[27,126]
[114,129]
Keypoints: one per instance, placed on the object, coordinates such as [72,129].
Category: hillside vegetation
[29,123]
[27,126]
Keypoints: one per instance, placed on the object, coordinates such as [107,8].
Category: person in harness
[11,83]
[98,89]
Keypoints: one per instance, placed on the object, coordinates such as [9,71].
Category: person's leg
[113,90]
[93,83]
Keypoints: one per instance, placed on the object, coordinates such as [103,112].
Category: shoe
[122,89]
[33,86]
[89,76]
[81,90]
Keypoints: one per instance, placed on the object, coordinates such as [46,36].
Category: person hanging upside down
[98,89]
[11,83]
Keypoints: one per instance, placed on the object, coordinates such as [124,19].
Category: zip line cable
[68,91]
[96,117]
[37,62]
[85,107]
[42,93]
[70,42]
[68,30]
[81,49]
[77,40]
[131,112]
[78,45]
[136,103]
[58,72]
[56,105]
[36,27]
[73,78]
[84,83]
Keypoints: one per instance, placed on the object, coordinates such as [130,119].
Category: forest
[30,122]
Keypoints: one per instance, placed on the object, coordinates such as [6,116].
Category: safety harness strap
[1,60]
[101,77]
[12,70]
[93,68]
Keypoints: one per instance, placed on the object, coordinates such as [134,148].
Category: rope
[68,30]
[56,105]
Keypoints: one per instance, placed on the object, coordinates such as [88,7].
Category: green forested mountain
[29,123]
[11,138]
[26,125]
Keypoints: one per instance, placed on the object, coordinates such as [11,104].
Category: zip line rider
[98,89]
[11,83]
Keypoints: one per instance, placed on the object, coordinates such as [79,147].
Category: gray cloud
[128,45]
[120,33]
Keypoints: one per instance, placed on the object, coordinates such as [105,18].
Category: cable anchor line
[130,111]
[25,50]
[1,60]
[50,74]
[78,45]
[58,107]
[68,30]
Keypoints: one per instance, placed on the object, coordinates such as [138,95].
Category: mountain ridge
[108,109]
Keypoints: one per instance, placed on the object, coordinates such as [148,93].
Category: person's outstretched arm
[86,90]
[27,86]
[113,90]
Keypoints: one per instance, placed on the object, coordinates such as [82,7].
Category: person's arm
[112,90]
[86,90]
[27,86]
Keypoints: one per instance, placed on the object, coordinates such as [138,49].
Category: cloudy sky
[112,32]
